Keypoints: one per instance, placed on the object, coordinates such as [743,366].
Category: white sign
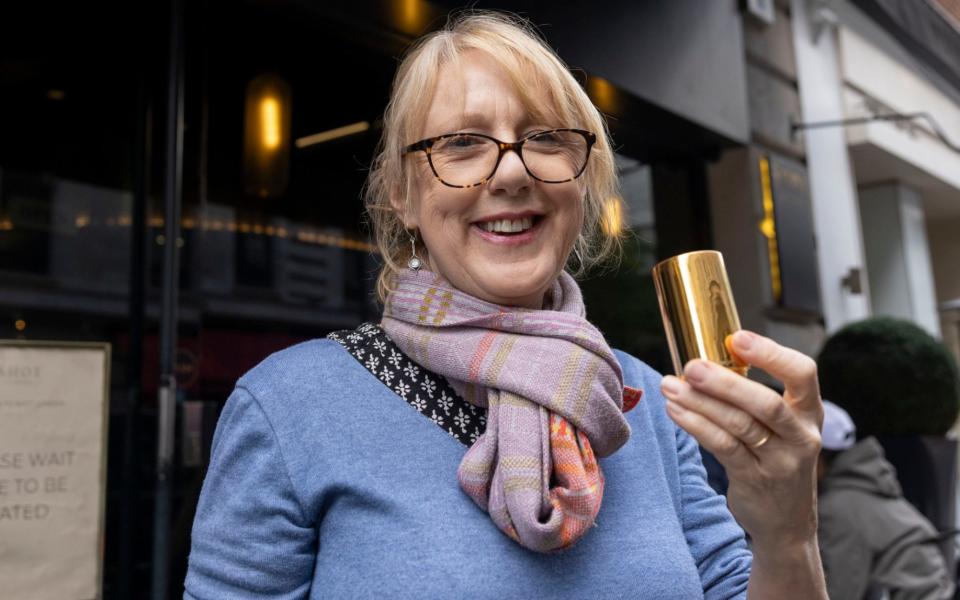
[53,427]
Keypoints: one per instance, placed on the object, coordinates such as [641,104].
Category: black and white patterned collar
[429,393]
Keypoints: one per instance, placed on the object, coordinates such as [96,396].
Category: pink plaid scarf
[553,391]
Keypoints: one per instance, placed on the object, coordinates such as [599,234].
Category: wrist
[795,540]
[782,570]
[787,558]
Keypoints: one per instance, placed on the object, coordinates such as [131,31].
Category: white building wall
[898,257]
[916,252]
[875,83]
[832,188]
[909,160]
[883,242]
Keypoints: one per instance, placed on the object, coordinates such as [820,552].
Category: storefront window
[621,299]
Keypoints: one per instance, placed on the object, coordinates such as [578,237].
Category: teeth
[507,226]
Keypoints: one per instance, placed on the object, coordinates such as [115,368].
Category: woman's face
[514,268]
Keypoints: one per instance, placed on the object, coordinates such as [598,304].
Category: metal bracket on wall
[853,281]
[937,130]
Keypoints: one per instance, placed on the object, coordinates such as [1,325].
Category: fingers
[722,386]
[728,417]
[797,371]
[729,450]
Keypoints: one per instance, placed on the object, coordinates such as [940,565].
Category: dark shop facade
[182,181]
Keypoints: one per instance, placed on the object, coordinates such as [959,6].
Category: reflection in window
[621,300]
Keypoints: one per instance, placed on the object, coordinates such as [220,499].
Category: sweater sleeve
[251,538]
[715,539]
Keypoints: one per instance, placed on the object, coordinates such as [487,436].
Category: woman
[475,443]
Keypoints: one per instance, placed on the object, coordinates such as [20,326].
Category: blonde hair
[533,68]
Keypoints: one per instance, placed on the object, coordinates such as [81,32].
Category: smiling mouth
[510,227]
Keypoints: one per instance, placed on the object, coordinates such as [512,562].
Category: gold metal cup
[697,308]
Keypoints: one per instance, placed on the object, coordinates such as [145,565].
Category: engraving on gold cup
[697,308]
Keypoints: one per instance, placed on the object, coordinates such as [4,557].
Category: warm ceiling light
[411,16]
[604,94]
[55,94]
[332,134]
[266,136]
[270,123]
[612,218]
[20,324]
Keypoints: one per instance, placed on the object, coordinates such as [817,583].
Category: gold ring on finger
[761,442]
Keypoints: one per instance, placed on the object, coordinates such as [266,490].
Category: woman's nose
[511,177]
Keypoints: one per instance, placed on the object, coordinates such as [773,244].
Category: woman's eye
[544,136]
[462,142]
[547,137]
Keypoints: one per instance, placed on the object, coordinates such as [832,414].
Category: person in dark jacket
[874,544]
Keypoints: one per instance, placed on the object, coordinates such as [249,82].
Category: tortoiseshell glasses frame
[426,145]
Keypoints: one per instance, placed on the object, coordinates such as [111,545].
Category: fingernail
[670,385]
[743,340]
[695,371]
[674,408]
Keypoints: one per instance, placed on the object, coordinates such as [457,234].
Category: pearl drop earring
[414,263]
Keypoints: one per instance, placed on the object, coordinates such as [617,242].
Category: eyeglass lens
[466,159]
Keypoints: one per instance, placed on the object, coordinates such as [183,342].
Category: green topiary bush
[892,377]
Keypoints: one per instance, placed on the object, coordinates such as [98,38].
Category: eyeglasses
[465,160]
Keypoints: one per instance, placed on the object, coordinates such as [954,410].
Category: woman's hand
[768,444]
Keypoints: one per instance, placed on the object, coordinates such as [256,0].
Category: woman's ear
[403,207]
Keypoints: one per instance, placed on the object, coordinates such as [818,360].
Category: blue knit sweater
[323,483]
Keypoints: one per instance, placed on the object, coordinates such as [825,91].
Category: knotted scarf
[553,391]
